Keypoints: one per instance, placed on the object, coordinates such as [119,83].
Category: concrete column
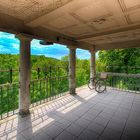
[92,64]
[24,75]
[72,70]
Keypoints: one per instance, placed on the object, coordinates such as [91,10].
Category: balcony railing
[46,84]
[8,99]
[46,89]
[123,81]
[51,84]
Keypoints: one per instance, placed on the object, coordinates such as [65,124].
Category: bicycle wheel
[91,83]
[100,86]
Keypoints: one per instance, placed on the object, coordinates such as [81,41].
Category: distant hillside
[58,68]
[8,61]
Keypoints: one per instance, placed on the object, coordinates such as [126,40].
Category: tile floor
[113,115]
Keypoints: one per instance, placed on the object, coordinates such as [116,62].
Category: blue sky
[10,45]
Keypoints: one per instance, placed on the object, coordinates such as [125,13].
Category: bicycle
[98,84]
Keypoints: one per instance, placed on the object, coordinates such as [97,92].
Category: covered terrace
[92,25]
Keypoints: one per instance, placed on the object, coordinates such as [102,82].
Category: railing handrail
[47,78]
[8,84]
[7,70]
[124,74]
[124,66]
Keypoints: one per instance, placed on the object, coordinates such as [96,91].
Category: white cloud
[6,35]
[9,44]
[4,50]
[15,46]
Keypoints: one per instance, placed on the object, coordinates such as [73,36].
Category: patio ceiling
[102,24]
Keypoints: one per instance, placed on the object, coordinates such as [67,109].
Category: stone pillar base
[24,113]
[72,92]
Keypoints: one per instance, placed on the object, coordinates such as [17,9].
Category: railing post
[10,74]
[127,69]
[50,71]
[50,80]
[67,70]
[24,75]
[38,73]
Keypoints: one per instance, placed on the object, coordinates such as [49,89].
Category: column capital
[92,50]
[23,37]
[72,47]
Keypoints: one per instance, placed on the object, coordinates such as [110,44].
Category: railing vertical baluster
[67,70]
[13,99]
[119,82]
[1,102]
[38,93]
[111,80]
[10,75]
[45,72]
[8,100]
[57,81]
[43,87]
[40,89]
[125,83]
[47,84]
[33,90]
[38,73]
[50,81]
[53,86]
[135,84]
[112,69]
[59,86]
[43,90]
[127,69]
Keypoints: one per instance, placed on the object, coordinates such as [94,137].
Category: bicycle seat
[103,75]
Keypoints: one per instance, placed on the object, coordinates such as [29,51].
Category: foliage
[121,58]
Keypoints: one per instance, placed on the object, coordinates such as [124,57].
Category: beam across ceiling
[60,39]
[112,31]
[12,25]
[16,26]
[119,45]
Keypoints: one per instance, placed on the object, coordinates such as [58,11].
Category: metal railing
[11,75]
[41,91]
[46,84]
[123,81]
[120,69]
[8,99]
[52,82]
[46,89]
[8,76]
